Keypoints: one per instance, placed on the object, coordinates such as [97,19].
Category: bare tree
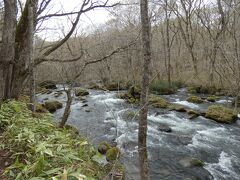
[146,51]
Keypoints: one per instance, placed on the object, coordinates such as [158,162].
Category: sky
[56,26]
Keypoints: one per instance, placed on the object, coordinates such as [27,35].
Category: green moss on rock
[196,162]
[81,92]
[103,147]
[157,102]
[195,99]
[113,154]
[221,114]
[53,106]
[212,98]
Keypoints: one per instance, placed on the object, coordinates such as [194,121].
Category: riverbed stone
[81,92]
[221,114]
[53,106]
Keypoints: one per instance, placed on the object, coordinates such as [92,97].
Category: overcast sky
[55,26]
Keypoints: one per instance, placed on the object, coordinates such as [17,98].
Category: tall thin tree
[146,51]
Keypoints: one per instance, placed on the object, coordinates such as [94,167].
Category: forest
[120,89]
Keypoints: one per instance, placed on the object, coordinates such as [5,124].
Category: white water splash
[224,168]
[186,103]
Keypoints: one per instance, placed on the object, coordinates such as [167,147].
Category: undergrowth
[40,150]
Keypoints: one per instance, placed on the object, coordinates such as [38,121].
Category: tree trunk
[22,46]
[146,50]
[8,44]
[67,109]
[31,59]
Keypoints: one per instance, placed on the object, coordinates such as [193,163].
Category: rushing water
[218,145]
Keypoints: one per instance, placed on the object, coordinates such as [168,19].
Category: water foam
[224,167]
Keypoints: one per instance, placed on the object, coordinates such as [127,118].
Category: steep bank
[33,147]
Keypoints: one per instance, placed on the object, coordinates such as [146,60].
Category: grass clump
[40,150]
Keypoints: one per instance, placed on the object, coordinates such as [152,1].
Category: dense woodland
[144,47]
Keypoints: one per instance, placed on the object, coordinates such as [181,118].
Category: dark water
[218,145]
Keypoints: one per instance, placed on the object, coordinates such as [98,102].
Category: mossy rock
[157,102]
[115,86]
[196,162]
[94,86]
[113,154]
[221,114]
[53,106]
[195,99]
[103,147]
[192,114]
[81,92]
[212,98]
[180,109]
[71,128]
[39,108]
[48,85]
[132,96]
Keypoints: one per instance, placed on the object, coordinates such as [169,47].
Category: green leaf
[53,171]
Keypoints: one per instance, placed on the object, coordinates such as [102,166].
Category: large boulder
[113,154]
[164,128]
[157,102]
[221,114]
[103,147]
[212,98]
[48,85]
[53,106]
[132,95]
[81,92]
[195,99]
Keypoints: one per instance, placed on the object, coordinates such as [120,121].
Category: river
[102,117]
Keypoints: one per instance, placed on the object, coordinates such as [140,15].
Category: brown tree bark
[8,42]
[146,51]
[67,109]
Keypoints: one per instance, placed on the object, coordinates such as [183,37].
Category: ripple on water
[186,103]
[224,168]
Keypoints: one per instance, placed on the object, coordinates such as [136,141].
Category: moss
[196,162]
[81,92]
[115,86]
[113,154]
[195,99]
[212,98]
[103,147]
[53,106]
[221,114]
[39,108]
[94,86]
[132,96]
[191,112]
[157,102]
